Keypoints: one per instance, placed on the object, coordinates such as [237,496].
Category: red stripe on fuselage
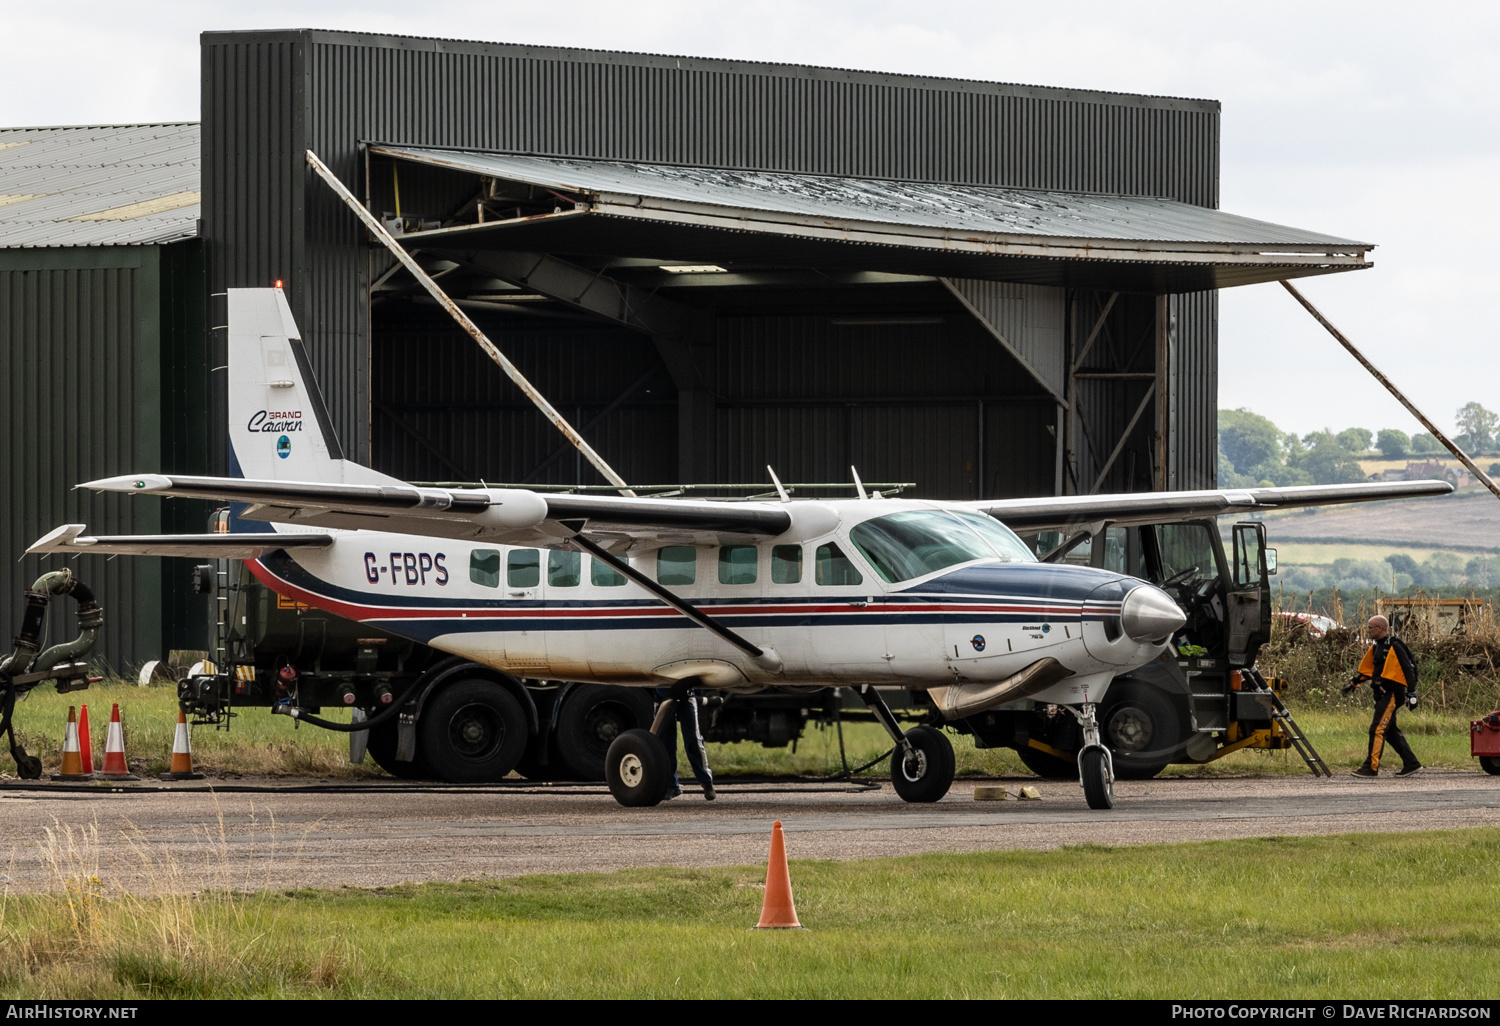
[361,612]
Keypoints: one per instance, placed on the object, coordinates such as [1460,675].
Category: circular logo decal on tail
[978,642]
[283,447]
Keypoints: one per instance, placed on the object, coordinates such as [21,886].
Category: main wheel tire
[1142,731]
[1098,788]
[472,731]
[931,775]
[590,719]
[382,748]
[638,769]
[1046,765]
[1490,764]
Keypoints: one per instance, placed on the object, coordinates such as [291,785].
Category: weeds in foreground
[138,930]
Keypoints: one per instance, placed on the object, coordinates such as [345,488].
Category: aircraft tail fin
[279,427]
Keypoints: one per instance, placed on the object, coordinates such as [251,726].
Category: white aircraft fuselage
[818,602]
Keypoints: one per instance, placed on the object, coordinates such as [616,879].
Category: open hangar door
[699,324]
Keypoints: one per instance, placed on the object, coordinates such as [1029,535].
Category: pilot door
[1249,595]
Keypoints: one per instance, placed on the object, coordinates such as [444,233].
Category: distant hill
[1468,520]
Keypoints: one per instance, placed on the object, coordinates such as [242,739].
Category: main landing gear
[1096,768]
[637,766]
[922,766]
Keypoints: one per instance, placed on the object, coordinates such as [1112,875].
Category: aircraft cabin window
[677,564]
[786,564]
[602,575]
[563,569]
[523,568]
[832,568]
[484,567]
[737,564]
[905,545]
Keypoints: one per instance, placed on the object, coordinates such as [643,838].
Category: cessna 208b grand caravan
[683,593]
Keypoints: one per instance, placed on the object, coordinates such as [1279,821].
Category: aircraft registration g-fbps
[681,593]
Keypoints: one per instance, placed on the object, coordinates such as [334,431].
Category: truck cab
[1188,705]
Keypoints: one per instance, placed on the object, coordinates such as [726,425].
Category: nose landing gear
[1096,767]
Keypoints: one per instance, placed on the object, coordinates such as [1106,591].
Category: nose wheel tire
[638,769]
[1098,782]
[927,773]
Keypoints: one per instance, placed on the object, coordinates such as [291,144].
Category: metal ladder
[1283,716]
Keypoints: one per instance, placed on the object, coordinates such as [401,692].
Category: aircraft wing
[70,539]
[1060,512]
[514,516]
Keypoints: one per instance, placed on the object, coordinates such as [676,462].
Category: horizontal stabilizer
[70,539]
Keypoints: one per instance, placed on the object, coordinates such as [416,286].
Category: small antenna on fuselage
[859,486]
[781,491]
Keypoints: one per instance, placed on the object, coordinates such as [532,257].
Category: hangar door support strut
[425,280]
[1390,387]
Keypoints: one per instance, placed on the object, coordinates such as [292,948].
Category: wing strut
[763,657]
[512,371]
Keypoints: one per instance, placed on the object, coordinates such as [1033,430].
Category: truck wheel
[472,732]
[638,769]
[382,749]
[590,719]
[928,776]
[1098,788]
[1047,766]
[1490,764]
[1142,731]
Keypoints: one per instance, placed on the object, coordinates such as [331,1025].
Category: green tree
[1393,444]
[1249,440]
[1476,427]
[1355,439]
[1328,462]
[1423,442]
[1402,563]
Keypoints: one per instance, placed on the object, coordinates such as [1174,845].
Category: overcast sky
[1374,121]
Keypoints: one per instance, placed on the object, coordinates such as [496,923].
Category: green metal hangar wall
[101,364]
[711,266]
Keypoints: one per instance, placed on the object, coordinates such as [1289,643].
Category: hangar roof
[1055,238]
[101,185]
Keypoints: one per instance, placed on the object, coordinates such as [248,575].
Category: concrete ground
[188,837]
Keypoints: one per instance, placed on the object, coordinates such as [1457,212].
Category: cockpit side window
[832,568]
[916,542]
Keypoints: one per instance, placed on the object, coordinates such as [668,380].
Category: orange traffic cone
[777,911]
[182,753]
[115,766]
[85,742]
[72,762]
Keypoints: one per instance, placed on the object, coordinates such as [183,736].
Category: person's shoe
[709,792]
[672,792]
[1365,771]
[1406,771]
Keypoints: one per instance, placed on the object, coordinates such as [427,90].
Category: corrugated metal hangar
[711,266]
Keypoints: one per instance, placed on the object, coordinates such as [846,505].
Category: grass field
[259,744]
[1387,916]
[1291,553]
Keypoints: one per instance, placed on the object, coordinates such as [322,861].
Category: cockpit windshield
[905,545]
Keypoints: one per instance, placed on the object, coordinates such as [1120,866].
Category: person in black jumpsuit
[692,739]
[1392,673]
